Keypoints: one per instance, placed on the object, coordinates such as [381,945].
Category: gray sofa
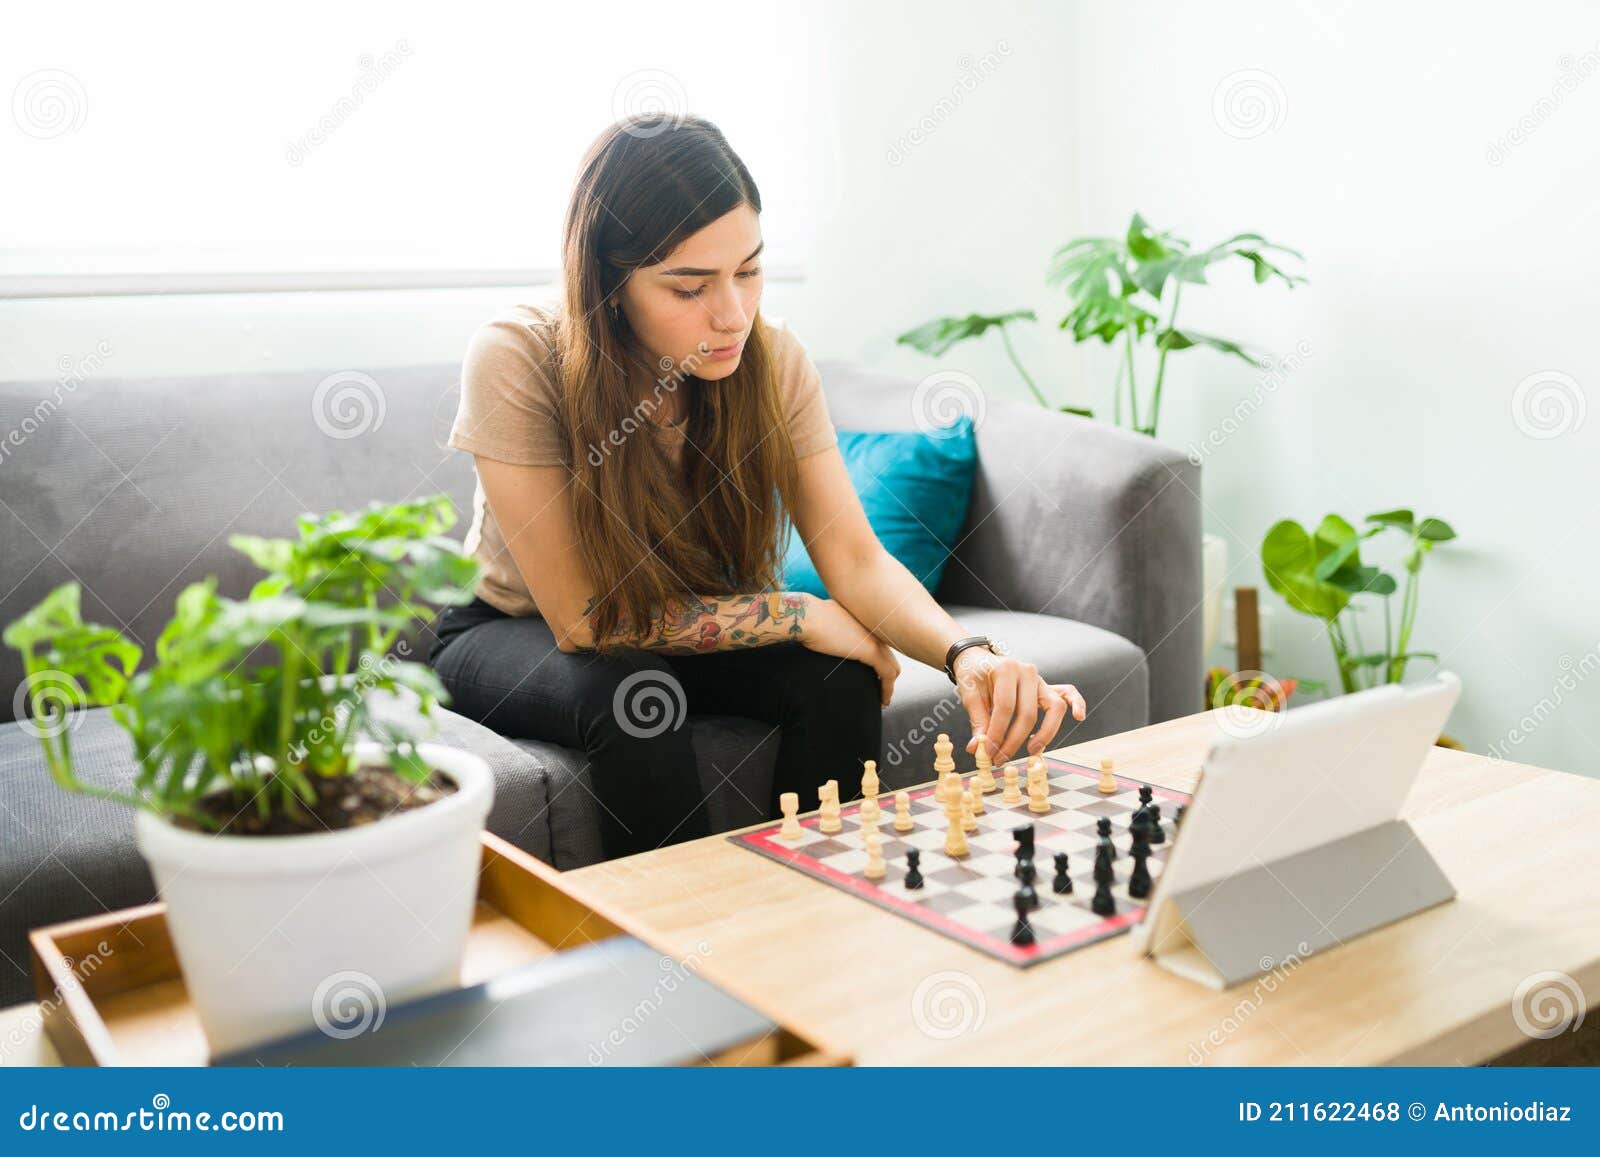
[1081,549]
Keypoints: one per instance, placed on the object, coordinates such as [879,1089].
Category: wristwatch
[961,645]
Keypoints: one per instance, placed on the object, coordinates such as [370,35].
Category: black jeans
[626,712]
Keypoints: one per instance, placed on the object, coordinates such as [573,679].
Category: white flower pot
[276,934]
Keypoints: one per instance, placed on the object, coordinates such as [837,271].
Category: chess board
[970,899]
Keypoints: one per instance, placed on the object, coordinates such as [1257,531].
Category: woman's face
[698,305]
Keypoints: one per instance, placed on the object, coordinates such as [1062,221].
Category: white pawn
[955,839]
[874,869]
[869,790]
[902,811]
[985,768]
[943,765]
[969,822]
[1011,794]
[790,803]
[975,790]
[829,821]
[1108,780]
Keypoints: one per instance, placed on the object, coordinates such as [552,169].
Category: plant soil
[365,796]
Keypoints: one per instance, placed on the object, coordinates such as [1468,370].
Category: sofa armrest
[1077,518]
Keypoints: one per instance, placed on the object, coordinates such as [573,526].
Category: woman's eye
[751,273]
[688,294]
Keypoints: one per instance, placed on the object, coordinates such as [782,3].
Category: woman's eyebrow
[689,271]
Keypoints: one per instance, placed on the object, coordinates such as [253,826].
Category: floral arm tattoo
[694,625]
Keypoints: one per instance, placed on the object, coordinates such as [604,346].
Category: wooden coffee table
[1517,841]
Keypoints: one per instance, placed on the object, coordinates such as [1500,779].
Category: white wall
[1439,281]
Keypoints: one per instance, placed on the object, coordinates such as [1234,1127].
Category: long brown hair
[648,530]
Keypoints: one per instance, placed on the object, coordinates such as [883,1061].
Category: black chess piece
[1062,884]
[1139,881]
[1023,864]
[1146,794]
[1022,933]
[1141,826]
[1102,828]
[1029,875]
[913,869]
[1177,816]
[1102,904]
[1104,853]
[1157,836]
[1024,838]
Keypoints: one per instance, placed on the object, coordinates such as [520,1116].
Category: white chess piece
[869,790]
[943,765]
[1011,794]
[955,840]
[875,868]
[1038,787]
[829,821]
[789,801]
[902,812]
[985,767]
[969,822]
[1108,779]
[975,790]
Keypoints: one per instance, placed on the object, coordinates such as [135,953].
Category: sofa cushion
[65,855]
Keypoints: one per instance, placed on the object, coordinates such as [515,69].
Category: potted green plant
[299,861]
[1319,572]
[1128,289]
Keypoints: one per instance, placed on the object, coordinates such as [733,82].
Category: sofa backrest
[132,486]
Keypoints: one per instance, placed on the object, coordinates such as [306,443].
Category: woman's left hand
[1004,696]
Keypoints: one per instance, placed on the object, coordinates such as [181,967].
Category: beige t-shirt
[510,402]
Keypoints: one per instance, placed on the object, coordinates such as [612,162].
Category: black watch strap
[961,645]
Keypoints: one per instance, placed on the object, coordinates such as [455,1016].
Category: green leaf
[1079,410]
[938,335]
[1400,519]
[1289,556]
[1435,530]
[1175,339]
[1360,580]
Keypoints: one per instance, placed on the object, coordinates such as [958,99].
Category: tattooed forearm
[695,624]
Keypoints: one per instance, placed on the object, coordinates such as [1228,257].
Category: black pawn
[1141,827]
[1177,816]
[1102,828]
[1104,853]
[1157,836]
[1146,794]
[1139,881]
[913,869]
[1022,934]
[1028,877]
[1062,884]
[1023,864]
[1102,904]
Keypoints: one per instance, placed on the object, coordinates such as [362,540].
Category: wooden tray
[132,1007]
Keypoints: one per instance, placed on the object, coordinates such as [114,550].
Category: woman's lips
[727,353]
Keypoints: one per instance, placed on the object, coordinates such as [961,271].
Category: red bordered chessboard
[970,899]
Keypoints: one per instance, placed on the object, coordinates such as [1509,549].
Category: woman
[641,448]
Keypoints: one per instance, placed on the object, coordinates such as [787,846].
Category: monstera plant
[1321,573]
[1124,289]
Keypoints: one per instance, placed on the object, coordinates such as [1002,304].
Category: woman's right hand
[832,630]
